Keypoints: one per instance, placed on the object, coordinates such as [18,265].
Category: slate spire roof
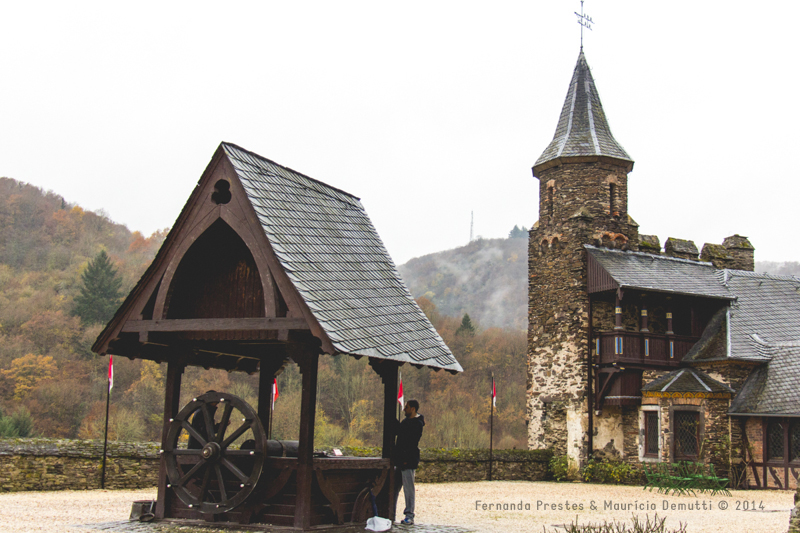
[582,128]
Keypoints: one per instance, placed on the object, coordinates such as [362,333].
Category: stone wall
[60,464]
[55,464]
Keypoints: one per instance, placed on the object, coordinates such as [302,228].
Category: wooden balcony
[633,348]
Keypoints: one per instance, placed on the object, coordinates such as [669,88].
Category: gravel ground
[544,506]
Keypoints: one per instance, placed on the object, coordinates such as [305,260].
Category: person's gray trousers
[408,489]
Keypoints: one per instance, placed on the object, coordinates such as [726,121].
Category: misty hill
[486,279]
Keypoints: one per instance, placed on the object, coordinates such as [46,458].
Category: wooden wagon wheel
[204,467]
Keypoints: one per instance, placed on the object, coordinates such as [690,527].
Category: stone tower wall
[558,308]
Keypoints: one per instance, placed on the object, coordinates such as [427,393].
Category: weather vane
[585,21]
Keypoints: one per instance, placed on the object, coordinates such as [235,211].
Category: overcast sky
[427,111]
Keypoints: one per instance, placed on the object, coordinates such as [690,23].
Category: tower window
[612,199]
[550,200]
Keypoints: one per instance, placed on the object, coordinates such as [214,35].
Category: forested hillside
[487,279]
[48,376]
[63,271]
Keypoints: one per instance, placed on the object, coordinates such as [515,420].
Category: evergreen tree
[100,293]
[466,326]
[517,233]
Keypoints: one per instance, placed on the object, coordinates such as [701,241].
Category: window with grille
[775,451]
[687,433]
[794,442]
[651,433]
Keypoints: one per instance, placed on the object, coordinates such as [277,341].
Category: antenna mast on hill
[585,21]
[471,224]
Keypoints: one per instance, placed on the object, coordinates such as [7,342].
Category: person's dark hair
[414,404]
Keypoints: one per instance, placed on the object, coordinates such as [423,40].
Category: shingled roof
[311,249]
[582,129]
[772,389]
[686,380]
[330,250]
[766,312]
[636,270]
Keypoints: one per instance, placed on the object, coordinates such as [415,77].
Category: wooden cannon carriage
[265,267]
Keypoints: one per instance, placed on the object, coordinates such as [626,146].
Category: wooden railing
[643,348]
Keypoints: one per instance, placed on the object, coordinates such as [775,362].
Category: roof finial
[585,21]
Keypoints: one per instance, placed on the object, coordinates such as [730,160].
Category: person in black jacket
[406,456]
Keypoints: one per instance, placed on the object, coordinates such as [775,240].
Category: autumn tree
[100,292]
[27,371]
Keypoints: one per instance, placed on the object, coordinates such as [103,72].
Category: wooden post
[669,317]
[643,327]
[386,501]
[308,363]
[388,372]
[268,368]
[172,398]
[617,313]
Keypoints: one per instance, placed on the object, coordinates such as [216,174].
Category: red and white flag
[110,372]
[494,394]
[400,398]
[274,392]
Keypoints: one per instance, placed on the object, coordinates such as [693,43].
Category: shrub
[606,471]
[563,468]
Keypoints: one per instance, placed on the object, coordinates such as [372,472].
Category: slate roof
[637,270]
[772,389]
[582,127]
[330,250]
[766,312]
[686,380]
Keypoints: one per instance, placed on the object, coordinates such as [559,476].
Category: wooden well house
[265,267]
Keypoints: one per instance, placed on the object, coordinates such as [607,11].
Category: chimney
[718,255]
[681,248]
[741,251]
[649,244]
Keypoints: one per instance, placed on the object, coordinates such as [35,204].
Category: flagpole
[491,429]
[105,436]
[400,393]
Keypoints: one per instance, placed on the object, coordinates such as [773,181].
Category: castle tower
[583,199]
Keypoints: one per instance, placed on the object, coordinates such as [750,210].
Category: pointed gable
[583,129]
[261,254]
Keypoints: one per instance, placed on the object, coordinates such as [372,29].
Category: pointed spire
[582,130]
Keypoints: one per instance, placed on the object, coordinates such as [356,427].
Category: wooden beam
[308,363]
[206,325]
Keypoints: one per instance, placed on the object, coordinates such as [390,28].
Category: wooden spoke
[204,486]
[236,434]
[188,475]
[193,432]
[188,451]
[223,495]
[209,419]
[236,472]
[223,425]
